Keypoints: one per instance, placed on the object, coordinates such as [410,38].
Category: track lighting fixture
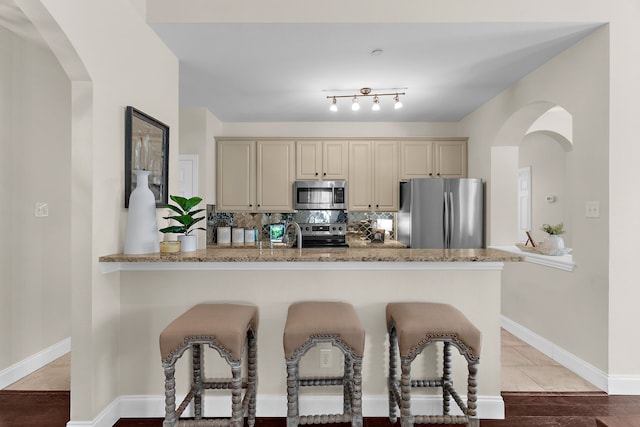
[365,91]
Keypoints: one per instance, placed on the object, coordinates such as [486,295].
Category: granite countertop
[281,254]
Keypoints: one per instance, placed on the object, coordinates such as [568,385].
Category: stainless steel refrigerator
[441,213]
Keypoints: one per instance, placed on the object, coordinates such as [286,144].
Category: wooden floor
[51,409]
[536,392]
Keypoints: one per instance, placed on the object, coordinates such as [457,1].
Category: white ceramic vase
[142,224]
[188,242]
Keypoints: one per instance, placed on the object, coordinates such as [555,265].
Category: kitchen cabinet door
[275,176]
[360,182]
[308,160]
[416,159]
[335,163]
[373,176]
[385,175]
[236,176]
[321,160]
[450,159]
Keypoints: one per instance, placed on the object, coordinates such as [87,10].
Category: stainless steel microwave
[320,195]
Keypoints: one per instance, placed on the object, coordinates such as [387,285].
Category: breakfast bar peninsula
[156,288]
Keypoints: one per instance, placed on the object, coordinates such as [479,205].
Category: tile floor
[54,376]
[523,369]
[526,369]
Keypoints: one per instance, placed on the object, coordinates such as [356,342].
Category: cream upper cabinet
[416,159]
[236,179]
[275,175]
[450,159]
[321,160]
[385,176]
[255,176]
[433,159]
[373,176]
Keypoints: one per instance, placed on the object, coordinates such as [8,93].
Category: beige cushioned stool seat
[314,318]
[227,329]
[228,323]
[419,322]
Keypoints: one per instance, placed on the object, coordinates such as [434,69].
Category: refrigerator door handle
[445,224]
[451,219]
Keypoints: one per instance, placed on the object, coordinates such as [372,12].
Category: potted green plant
[553,239]
[184,208]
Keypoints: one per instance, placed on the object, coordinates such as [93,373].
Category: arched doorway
[538,134]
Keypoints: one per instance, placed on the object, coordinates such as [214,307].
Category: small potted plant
[185,217]
[553,240]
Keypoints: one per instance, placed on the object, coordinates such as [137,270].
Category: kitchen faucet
[285,237]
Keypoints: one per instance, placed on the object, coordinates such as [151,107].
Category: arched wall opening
[538,136]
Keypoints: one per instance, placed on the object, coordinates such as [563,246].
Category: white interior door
[188,175]
[524,202]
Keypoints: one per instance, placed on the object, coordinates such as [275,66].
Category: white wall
[575,313]
[35,164]
[114,60]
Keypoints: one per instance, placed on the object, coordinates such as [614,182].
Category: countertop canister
[237,235]
[224,235]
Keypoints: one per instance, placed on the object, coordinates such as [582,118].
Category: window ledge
[562,262]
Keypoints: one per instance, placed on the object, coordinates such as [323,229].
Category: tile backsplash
[358,221]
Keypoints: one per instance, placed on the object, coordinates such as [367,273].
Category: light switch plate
[41,209]
[592,209]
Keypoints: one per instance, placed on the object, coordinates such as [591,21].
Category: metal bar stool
[412,327]
[225,328]
[313,322]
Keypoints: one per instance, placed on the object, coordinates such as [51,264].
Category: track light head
[355,106]
[334,105]
[376,104]
[397,104]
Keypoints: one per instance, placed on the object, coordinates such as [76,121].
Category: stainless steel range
[324,235]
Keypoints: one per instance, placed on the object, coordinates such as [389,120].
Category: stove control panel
[336,229]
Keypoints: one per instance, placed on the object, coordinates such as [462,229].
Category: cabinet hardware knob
[325,174]
[430,174]
[316,173]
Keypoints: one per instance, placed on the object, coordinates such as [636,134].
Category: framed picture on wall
[146,147]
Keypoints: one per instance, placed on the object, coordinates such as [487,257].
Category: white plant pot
[553,241]
[188,242]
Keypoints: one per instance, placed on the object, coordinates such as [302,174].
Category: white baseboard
[570,361]
[34,362]
[143,406]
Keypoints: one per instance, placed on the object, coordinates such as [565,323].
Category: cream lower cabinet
[321,160]
[433,159]
[373,176]
[255,176]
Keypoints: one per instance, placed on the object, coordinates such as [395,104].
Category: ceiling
[256,72]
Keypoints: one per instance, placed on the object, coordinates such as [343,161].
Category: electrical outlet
[592,209]
[325,358]
[41,209]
